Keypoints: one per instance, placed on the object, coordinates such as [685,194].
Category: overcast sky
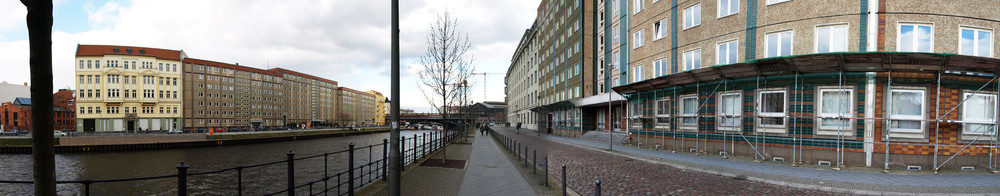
[347,41]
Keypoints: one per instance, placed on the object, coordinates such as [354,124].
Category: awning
[599,100]
[824,63]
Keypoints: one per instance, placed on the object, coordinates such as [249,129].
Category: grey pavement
[859,182]
[490,172]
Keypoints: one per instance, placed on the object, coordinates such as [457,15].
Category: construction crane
[484,81]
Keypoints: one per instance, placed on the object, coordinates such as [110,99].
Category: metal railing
[340,183]
[521,153]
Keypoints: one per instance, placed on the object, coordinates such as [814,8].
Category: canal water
[256,181]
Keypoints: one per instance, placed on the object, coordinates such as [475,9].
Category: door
[130,126]
[89,125]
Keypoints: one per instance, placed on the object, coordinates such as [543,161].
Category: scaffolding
[845,120]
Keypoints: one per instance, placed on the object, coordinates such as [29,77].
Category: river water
[256,181]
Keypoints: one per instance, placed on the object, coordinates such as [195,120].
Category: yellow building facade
[379,114]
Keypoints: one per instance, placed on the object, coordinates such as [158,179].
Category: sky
[347,41]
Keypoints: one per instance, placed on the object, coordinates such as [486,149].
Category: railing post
[385,159]
[239,180]
[414,148]
[597,188]
[534,161]
[424,146]
[291,172]
[86,187]
[350,169]
[564,179]
[181,179]
[402,153]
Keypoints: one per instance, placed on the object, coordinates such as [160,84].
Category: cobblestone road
[625,176]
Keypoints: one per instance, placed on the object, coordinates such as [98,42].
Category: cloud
[344,40]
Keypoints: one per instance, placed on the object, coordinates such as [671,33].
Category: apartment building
[222,97]
[126,88]
[310,100]
[379,108]
[354,107]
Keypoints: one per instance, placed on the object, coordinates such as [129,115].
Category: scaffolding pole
[888,122]
[840,139]
[937,114]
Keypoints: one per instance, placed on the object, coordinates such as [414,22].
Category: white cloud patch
[344,40]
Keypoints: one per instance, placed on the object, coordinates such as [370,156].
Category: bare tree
[446,65]
[39,22]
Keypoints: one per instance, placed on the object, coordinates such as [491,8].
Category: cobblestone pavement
[625,176]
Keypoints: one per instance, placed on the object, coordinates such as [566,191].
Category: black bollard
[546,171]
[564,179]
[525,156]
[597,188]
[534,161]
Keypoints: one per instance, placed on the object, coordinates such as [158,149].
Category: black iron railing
[339,183]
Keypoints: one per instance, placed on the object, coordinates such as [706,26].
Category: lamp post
[607,82]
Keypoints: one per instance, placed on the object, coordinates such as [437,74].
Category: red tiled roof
[355,91]
[302,75]
[230,66]
[101,50]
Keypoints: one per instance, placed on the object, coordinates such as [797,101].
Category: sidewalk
[487,172]
[855,182]
[490,172]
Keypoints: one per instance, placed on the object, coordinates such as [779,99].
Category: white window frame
[638,73]
[690,13]
[682,115]
[638,38]
[772,2]
[719,55]
[660,29]
[662,117]
[721,112]
[831,27]
[968,135]
[719,8]
[823,130]
[767,41]
[920,118]
[899,35]
[660,67]
[616,4]
[638,6]
[975,47]
[760,112]
[691,54]
[614,31]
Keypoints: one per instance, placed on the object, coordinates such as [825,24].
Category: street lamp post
[607,82]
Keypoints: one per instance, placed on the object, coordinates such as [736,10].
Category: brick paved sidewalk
[490,172]
[621,175]
[856,182]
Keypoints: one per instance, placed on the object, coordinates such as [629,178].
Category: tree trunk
[39,20]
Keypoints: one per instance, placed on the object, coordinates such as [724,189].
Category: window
[637,40]
[831,38]
[726,53]
[979,113]
[771,104]
[637,6]
[769,2]
[832,103]
[689,109]
[660,67]
[614,32]
[779,44]
[692,59]
[692,16]
[906,110]
[975,42]
[662,110]
[660,29]
[615,58]
[615,3]
[730,109]
[81,64]
[728,7]
[638,73]
[915,38]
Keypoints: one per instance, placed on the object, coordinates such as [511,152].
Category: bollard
[564,179]
[291,172]
[525,156]
[402,153]
[385,159]
[597,188]
[534,161]
[350,169]
[517,152]
[546,171]
[181,179]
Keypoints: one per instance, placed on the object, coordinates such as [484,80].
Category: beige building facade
[379,108]
[354,107]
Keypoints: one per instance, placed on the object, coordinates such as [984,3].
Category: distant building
[16,115]
[490,112]
[11,91]
[354,107]
[379,105]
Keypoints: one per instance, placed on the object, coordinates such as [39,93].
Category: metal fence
[339,183]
